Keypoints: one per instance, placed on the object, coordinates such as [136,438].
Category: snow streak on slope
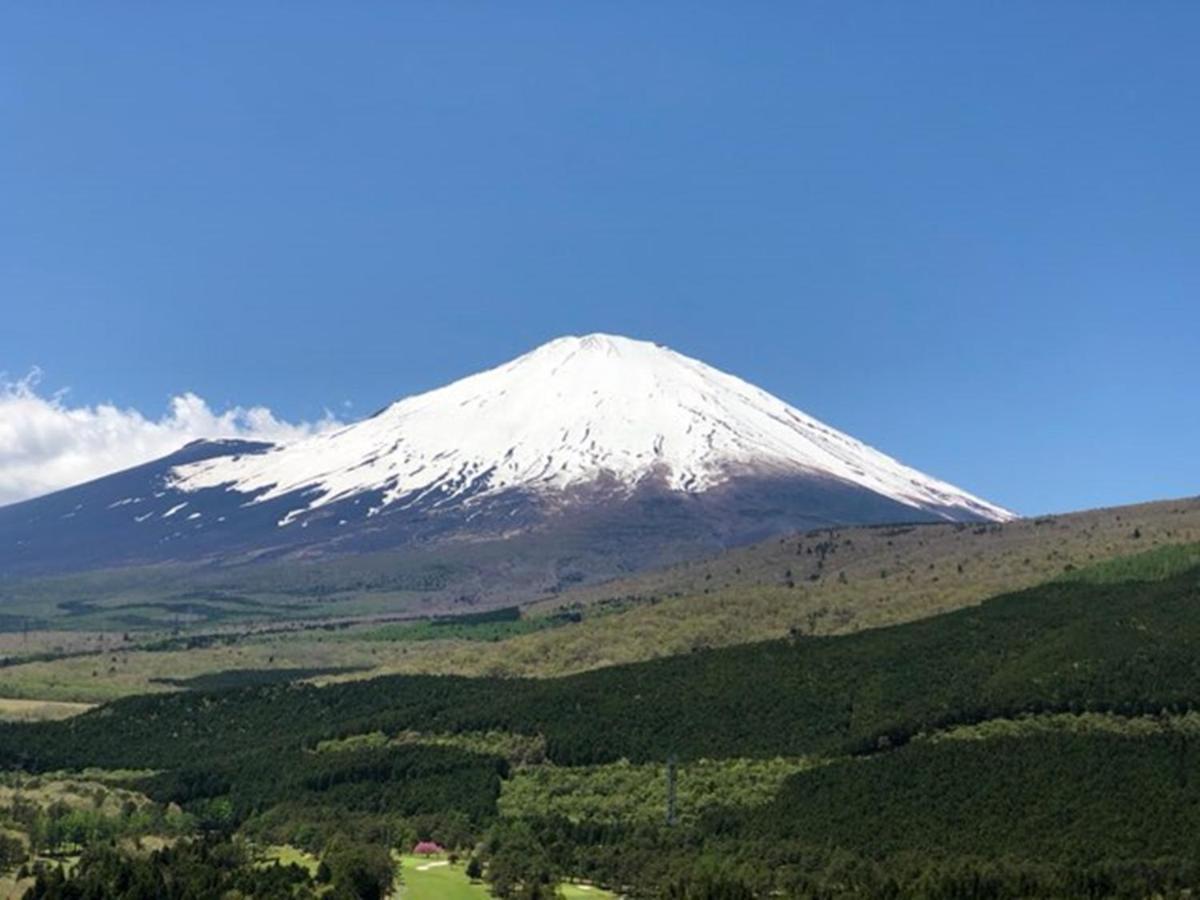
[565,415]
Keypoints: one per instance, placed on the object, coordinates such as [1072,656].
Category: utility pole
[671,787]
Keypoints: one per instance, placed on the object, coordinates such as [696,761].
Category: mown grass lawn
[17,710]
[582,891]
[437,879]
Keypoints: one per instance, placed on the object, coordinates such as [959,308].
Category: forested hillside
[809,585]
[1021,736]
[1073,645]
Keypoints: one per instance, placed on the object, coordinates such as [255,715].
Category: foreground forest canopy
[1041,744]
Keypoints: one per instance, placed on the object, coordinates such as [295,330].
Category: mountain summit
[570,413]
[605,427]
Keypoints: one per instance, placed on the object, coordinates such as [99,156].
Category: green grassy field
[12,710]
[287,855]
[98,678]
[437,879]
[581,891]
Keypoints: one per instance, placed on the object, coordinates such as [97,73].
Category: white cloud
[47,444]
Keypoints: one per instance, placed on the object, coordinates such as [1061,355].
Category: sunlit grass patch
[287,855]
[13,709]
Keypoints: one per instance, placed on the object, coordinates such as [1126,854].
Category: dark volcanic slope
[136,517]
[623,442]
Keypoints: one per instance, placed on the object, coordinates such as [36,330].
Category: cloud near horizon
[46,444]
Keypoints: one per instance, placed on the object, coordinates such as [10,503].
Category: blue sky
[966,233]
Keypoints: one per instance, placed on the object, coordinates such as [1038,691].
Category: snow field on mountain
[572,412]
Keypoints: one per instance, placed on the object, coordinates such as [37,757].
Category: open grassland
[98,678]
[14,888]
[578,891]
[425,878]
[26,644]
[13,710]
[287,855]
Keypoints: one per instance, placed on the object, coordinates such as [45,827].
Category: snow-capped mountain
[567,414]
[597,428]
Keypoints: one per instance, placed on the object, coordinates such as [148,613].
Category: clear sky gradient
[967,233]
